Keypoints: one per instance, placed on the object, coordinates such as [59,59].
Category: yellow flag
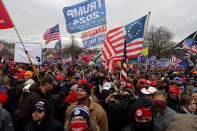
[50,55]
[145,51]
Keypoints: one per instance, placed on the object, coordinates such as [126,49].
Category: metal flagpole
[146,25]
[61,41]
[23,46]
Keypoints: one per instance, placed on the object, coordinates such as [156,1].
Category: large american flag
[113,47]
[52,34]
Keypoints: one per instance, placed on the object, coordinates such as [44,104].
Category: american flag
[187,45]
[52,34]
[68,58]
[190,46]
[174,61]
[57,53]
[114,43]
[123,73]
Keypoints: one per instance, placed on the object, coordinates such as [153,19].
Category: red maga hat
[143,112]
[174,89]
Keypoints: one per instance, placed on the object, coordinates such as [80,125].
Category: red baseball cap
[143,112]
[3,95]
[20,75]
[82,81]
[142,80]
[153,83]
[60,77]
[130,85]
[174,89]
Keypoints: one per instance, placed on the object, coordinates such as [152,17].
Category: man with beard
[42,91]
[97,113]
[142,115]
[41,120]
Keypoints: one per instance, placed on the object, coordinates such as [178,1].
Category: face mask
[78,126]
[159,105]
[143,126]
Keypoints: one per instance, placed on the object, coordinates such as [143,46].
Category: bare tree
[72,48]
[8,47]
[159,40]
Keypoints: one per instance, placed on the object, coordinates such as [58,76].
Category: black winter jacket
[50,125]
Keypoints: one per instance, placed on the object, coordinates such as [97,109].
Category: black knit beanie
[86,87]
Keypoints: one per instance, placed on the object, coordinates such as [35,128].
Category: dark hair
[186,99]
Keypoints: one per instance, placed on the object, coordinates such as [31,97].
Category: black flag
[186,50]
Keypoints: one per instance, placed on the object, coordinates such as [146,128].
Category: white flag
[34,50]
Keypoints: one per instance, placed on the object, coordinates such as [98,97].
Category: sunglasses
[37,110]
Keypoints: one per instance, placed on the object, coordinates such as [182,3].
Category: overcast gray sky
[33,17]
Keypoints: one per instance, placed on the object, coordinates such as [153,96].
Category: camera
[121,97]
[118,96]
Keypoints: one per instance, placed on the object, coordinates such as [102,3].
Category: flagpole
[22,45]
[26,52]
[60,41]
[146,25]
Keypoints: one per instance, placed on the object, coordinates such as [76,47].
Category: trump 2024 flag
[5,21]
[34,50]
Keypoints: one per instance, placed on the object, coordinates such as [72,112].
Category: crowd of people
[82,97]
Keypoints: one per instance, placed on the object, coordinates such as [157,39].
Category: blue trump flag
[85,15]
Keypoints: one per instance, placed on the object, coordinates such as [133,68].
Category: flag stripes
[113,47]
[174,61]
[123,74]
[52,34]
